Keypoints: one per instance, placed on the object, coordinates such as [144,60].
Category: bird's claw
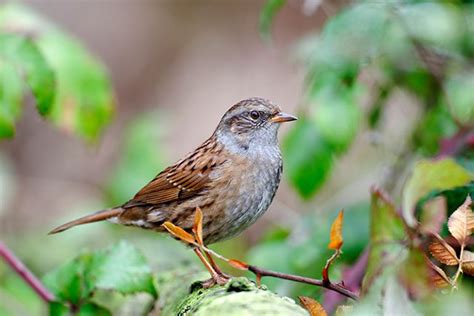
[218,279]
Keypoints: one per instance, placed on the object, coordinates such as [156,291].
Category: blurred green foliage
[19,57]
[121,268]
[267,15]
[141,157]
[423,48]
[69,86]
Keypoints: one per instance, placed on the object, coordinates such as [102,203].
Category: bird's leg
[215,266]
[216,278]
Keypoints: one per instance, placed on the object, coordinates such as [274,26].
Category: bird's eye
[254,115]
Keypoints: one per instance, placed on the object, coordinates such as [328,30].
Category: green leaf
[68,282]
[267,15]
[434,23]
[308,158]
[23,53]
[336,116]
[83,102]
[387,231]
[460,97]
[454,196]
[11,94]
[352,37]
[428,176]
[90,309]
[121,268]
[436,124]
[414,273]
[93,310]
[58,309]
[21,60]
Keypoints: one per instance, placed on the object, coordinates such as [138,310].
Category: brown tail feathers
[95,217]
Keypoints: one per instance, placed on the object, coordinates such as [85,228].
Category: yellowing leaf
[468,262]
[461,222]
[428,176]
[336,240]
[443,252]
[312,306]
[178,232]
[387,235]
[433,215]
[197,228]
[415,273]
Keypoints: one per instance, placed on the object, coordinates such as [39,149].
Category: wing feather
[188,177]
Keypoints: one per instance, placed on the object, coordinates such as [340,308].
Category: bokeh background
[176,67]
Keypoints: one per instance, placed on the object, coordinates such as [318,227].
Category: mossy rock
[238,297]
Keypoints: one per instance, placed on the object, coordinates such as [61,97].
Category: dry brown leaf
[336,240]
[197,227]
[461,222]
[438,277]
[238,264]
[312,306]
[468,262]
[442,251]
[179,232]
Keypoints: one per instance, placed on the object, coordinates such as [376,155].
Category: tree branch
[20,269]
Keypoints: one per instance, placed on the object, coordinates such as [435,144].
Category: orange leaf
[179,232]
[238,264]
[336,232]
[461,222]
[197,227]
[442,251]
[468,262]
[312,306]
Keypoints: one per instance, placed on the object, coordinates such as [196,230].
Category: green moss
[238,297]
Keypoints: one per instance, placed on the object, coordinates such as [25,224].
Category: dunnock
[232,177]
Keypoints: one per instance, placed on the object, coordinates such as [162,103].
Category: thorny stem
[20,269]
[260,272]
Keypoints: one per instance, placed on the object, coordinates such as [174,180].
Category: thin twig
[328,285]
[260,272]
[459,270]
[20,269]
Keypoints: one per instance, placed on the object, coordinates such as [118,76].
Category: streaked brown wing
[183,180]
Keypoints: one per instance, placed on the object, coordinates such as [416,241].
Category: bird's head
[252,121]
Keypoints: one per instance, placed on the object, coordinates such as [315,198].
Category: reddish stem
[328,285]
[18,266]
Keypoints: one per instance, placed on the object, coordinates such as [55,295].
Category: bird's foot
[218,279]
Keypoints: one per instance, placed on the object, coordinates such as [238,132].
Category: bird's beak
[282,117]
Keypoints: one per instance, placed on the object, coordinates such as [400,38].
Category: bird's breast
[248,191]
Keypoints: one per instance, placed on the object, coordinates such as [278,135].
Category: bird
[232,177]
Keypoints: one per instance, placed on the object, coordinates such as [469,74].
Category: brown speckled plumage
[232,177]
